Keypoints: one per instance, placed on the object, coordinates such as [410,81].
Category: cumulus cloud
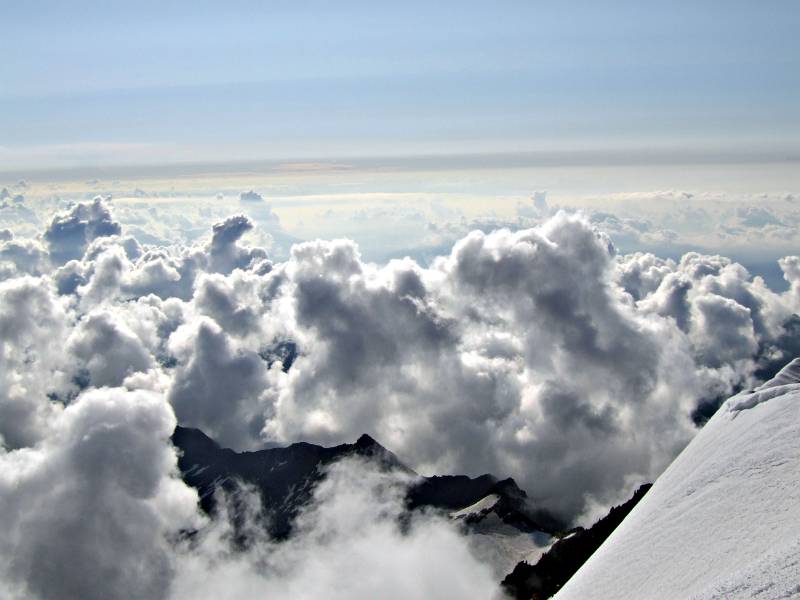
[269,224]
[217,386]
[630,232]
[537,208]
[537,353]
[32,333]
[250,196]
[790,265]
[70,232]
[107,350]
[224,253]
[94,508]
[259,209]
[15,213]
[23,256]
[491,360]
[466,366]
[541,353]
[88,511]
[756,216]
[118,267]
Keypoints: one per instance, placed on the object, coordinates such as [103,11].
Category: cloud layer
[349,543]
[541,354]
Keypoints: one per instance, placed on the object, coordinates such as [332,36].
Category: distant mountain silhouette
[285,478]
[566,556]
[458,491]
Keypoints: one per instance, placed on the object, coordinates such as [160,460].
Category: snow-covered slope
[723,521]
[500,532]
[477,510]
[501,545]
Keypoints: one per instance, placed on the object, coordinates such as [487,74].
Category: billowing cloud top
[70,233]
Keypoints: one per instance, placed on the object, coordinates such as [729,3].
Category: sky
[88,83]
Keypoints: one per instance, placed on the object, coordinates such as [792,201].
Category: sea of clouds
[540,353]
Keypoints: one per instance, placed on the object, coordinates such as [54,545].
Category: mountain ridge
[285,478]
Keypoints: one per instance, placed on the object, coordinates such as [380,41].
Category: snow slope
[483,505]
[723,521]
[499,544]
[502,546]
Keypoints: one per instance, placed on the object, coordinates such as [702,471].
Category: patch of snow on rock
[481,506]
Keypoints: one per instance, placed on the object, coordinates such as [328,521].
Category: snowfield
[723,521]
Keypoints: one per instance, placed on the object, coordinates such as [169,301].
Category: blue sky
[163,82]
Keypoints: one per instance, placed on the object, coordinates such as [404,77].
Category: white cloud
[69,233]
[33,328]
[540,354]
[88,511]
[349,543]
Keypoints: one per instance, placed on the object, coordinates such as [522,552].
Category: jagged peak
[183,435]
[367,441]
[508,485]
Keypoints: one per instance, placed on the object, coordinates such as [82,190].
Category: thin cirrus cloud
[194,82]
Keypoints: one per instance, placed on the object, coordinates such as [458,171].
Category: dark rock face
[566,556]
[514,509]
[285,479]
[450,491]
[284,351]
